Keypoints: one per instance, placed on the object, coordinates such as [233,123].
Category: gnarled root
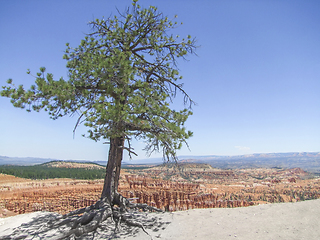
[86,220]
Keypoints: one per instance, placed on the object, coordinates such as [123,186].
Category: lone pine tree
[122,79]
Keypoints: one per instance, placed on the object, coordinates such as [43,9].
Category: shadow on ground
[38,228]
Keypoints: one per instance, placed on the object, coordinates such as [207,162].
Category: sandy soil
[271,221]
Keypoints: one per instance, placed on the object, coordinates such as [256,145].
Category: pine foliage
[121,81]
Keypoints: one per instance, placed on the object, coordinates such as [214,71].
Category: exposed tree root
[87,220]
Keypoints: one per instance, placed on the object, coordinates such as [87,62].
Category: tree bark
[111,181]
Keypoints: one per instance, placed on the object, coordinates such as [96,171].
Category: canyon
[169,187]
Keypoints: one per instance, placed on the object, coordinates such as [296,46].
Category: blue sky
[256,78]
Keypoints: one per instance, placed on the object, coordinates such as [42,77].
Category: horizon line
[181,156]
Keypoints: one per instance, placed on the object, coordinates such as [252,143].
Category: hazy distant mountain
[32,161]
[23,161]
[308,161]
[259,155]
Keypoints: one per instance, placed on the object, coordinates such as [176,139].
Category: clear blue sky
[256,78]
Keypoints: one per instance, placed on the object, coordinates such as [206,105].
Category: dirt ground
[294,221]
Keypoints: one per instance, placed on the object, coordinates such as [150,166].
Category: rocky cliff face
[170,189]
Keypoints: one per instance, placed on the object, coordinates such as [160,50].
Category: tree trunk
[111,181]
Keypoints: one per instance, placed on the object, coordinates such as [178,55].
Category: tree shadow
[39,228]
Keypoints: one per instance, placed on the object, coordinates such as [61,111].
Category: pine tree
[122,78]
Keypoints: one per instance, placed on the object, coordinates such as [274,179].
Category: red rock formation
[222,191]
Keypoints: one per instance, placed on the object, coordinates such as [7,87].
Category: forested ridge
[45,171]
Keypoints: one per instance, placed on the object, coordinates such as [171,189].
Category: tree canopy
[121,81]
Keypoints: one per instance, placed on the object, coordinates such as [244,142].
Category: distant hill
[72,164]
[56,169]
[308,161]
[23,161]
[27,161]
